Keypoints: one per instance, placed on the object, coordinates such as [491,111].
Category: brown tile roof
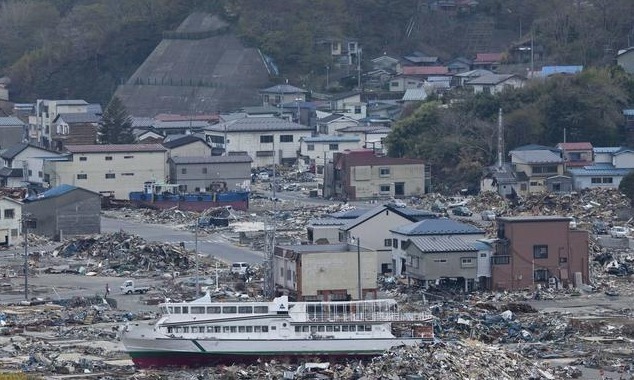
[425,70]
[367,158]
[575,146]
[113,148]
[488,58]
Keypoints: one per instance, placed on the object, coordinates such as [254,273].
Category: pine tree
[116,127]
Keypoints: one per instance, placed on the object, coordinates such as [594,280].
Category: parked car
[619,232]
[439,207]
[600,227]
[397,203]
[461,211]
[239,267]
[487,215]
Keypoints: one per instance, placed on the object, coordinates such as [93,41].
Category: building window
[540,251]
[83,158]
[394,84]
[310,147]
[467,262]
[440,261]
[414,262]
[541,275]
[39,174]
[110,175]
[9,213]
[282,272]
[522,187]
[357,109]
[204,170]
[501,260]
[183,170]
[128,157]
[563,260]
[30,172]
[333,146]
[384,172]
[548,169]
[264,153]
[384,189]
[108,158]
[395,243]
[387,242]
[127,174]
[266,98]
[286,138]
[82,176]
[266,139]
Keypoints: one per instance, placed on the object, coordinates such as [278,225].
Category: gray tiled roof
[111,148]
[212,159]
[440,226]
[490,79]
[11,121]
[369,214]
[283,89]
[537,156]
[13,150]
[316,248]
[258,124]
[328,138]
[429,244]
[327,222]
[79,117]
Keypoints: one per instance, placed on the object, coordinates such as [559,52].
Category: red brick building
[538,250]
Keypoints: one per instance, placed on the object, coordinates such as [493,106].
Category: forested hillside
[84,48]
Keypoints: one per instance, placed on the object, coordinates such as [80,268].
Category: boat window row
[215,309]
[332,328]
[217,329]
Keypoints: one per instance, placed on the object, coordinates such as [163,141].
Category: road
[213,244]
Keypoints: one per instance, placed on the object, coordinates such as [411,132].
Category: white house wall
[337,270]
[10,227]
[624,160]
[129,173]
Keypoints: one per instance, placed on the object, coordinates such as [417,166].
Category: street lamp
[196,255]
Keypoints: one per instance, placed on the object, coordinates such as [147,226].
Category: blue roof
[607,149]
[331,139]
[628,112]
[442,226]
[55,192]
[599,170]
[550,70]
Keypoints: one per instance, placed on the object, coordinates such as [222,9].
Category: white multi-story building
[10,220]
[112,170]
[267,140]
[47,110]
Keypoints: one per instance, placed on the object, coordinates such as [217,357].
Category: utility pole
[26,259]
[196,256]
[359,268]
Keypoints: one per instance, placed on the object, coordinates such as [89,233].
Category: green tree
[116,126]
[627,186]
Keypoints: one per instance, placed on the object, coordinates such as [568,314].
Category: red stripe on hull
[192,359]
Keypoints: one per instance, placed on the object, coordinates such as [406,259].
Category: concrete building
[10,221]
[74,129]
[364,175]
[65,210]
[267,140]
[325,272]
[210,173]
[46,111]
[110,170]
[318,151]
[539,250]
[187,146]
[281,94]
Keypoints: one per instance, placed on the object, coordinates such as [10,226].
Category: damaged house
[541,251]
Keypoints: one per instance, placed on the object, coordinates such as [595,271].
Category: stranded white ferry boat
[205,332]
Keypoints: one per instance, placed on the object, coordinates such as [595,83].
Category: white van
[239,267]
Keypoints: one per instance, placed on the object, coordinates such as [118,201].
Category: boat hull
[192,202]
[201,352]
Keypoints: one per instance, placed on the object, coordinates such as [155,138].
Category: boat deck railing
[370,317]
